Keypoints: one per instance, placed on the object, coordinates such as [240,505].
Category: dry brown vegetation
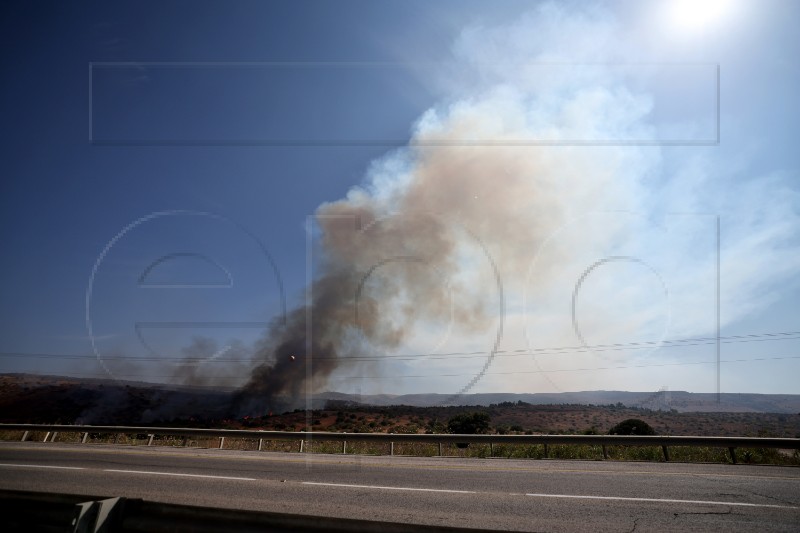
[67,401]
[523,418]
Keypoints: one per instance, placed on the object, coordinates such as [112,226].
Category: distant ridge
[662,400]
[680,401]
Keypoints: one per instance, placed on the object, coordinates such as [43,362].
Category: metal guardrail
[665,441]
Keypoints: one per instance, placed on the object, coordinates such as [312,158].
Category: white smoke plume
[489,218]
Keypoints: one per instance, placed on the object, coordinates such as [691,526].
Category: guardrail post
[25,436]
[605,452]
[491,449]
[260,444]
[85,437]
[440,449]
[545,451]
[47,436]
[391,448]
[733,454]
[344,446]
[301,445]
[221,442]
[150,439]
[666,452]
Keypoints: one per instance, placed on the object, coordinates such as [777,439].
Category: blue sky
[214,133]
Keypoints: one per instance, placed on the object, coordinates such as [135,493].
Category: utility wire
[401,376]
[756,337]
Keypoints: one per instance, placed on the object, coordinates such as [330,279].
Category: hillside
[53,399]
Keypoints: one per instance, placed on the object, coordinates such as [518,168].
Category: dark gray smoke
[375,285]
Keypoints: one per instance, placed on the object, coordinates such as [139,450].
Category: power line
[755,337]
[402,376]
[593,369]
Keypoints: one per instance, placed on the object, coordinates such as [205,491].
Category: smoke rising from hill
[452,206]
[466,213]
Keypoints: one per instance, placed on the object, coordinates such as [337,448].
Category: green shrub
[632,426]
[469,423]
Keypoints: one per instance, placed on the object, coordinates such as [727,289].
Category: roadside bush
[469,423]
[632,426]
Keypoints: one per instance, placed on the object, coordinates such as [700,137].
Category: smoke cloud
[437,232]
[454,230]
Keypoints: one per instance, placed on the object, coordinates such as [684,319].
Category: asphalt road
[523,495]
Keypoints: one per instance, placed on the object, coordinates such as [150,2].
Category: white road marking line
[178,475]
[387,488]
[13,445]
[660,500]
[43,466]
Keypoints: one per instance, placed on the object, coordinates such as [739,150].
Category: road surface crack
[773,498]
[750,491]
[729,511]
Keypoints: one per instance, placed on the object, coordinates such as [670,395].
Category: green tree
[469,423]
[632,426]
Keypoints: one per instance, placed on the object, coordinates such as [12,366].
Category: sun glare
[694,15]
